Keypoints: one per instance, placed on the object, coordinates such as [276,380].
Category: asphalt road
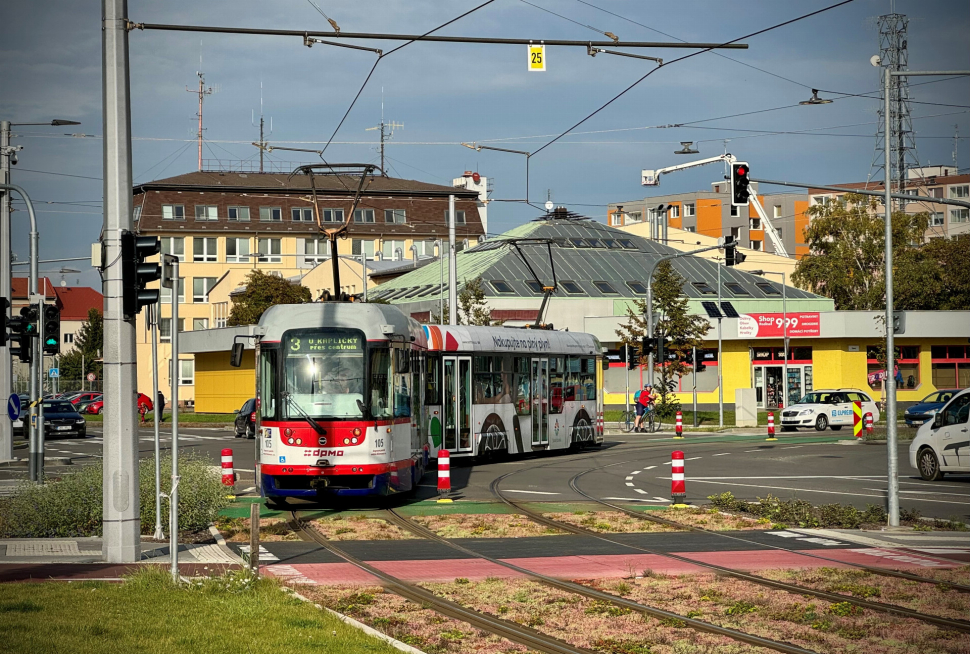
[630,468]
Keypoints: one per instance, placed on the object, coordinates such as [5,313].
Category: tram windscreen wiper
[313,423]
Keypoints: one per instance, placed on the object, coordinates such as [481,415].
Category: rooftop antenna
[387,131]
[202,91]
[956,141]
[262,139]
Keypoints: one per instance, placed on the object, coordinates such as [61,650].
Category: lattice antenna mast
[202,91]
[387,132]
[894,53]
[262,124]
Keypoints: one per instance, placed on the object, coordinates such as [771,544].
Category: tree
[933,276]
[846,259]
[472,306]
[684,331]
[88,344]
[262,292]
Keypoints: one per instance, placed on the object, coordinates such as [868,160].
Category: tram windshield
[323,375]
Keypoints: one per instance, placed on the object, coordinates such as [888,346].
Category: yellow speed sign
[537,58]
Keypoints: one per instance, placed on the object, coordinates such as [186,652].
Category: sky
[445,94]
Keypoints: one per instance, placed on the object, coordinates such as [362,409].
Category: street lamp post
[528,156]
[439,249]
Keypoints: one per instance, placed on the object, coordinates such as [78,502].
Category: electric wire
[575,22]
[688,56]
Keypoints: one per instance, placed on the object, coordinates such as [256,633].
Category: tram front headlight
[289,440]
[346,441]
[353,441]
[299,441]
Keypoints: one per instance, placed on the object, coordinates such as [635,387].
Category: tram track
[512,631]
[885,572]
[958,625]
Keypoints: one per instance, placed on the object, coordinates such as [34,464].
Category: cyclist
[644,402]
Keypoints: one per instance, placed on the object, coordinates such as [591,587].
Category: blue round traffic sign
[13,407]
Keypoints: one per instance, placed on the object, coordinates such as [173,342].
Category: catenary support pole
[693,377]
[441,279]
[173,496]
[38,454]
[893,463]
[720,356]
[452,265]
[6,360]
[121,521]
[154,315]
[626,398]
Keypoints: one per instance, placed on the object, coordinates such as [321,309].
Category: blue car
[926,408]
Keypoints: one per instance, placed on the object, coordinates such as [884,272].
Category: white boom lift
[652,178]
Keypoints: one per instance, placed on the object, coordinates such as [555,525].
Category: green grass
[149,615]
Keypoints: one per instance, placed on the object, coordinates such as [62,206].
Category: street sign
[54,372]
[92,376]
[13,407]
[537,58]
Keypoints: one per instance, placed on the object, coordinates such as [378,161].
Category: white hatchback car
[827,408]
[943,444]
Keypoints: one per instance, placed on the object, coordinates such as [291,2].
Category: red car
[143,400]
[85,397]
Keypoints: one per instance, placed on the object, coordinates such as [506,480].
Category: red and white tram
[354,399]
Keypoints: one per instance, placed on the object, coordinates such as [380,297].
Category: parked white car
[943,444]
[827,408]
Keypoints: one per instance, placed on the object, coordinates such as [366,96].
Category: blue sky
[448,93]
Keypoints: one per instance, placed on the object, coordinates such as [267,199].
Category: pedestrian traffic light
[731,255]
[52,329]
[30,314]
[739,183]
[647,346]
[136,274]
[23,329]
[4,305]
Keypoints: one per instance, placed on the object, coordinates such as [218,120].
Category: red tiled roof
[75,301]
[19,288]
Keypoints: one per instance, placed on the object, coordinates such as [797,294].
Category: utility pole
[121,521]
[202,92]
[262,123]
[387,132]
[452,266]
[6,360]
[720,356]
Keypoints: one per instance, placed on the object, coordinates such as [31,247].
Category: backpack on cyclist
[636,396]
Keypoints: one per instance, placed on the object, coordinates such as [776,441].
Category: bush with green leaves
[71,506]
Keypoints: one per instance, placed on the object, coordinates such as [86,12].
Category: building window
[572,287]
[173,212]
[302,214]
[237,250]
[201,287]
[361,247]
[390,250]
[736,288]
[690,210]
[690,228]
[363,215]
[240,214]
[270,250]
[68,338]
[704,288]
[316,250]
[606,288]
[951,366]
[395,216]
[673,211]
[186,372]
[220,312]
[779,231]
[459,217]
[534,286]
[959,215]
[270,214]
[754,223]
[198,324]
[735,211]
[959,192]
[502,286]
[936,192]
[936,219]
[637,287]
[165,328]
[136,213]
[425,248]
[332,215]
[206,212]
[736,233]
[204,249]
[821,200]
[907,362]
[755,245]
[767,288]
[175,246]
[166,294]
[777,211]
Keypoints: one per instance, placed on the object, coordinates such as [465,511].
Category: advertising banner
[772,325]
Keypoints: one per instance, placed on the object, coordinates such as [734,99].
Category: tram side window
[380,383]
[492,380]
[557,376]
[522,397]
[587,379]
[267,384]
[573,389]
[402,386]
[432,389]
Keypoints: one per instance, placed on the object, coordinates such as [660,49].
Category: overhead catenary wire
[609,35]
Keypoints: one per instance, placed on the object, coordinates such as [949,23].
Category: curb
[370,631]
[52,460]
[223,546]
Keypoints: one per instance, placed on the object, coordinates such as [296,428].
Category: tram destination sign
[772,325]
[318,344]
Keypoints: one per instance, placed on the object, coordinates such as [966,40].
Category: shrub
[71,506]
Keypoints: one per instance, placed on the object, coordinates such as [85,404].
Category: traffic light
[647,346]
[52,329]
[899,322]
[731,255]
[4,305]
[740,173]
[23,329]
[136,273]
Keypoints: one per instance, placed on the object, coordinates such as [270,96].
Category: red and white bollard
[771,427]
[444,475]
[228,475]
[680,425]
[678,487]
[868,424]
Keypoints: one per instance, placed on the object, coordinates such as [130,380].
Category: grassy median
[149,614]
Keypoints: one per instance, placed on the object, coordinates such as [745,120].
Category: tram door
[457,402]
[540,402]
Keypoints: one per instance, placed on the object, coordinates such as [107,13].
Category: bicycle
[649,422]
[628,419]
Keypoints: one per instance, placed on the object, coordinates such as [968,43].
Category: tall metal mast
[262,123]
[387,132]
[202,92]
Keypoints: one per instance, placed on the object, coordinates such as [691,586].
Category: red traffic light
[742,171]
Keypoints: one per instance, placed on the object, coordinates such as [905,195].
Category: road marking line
[629,483]
[248,490]
[650,468]
[532,492]
[630,478]
[693,458]
[661,499]
[642,492]
[722,454]
[883,490]
[753,450]
[697,480]
[941,550]
[793,447]
[627,499]
[636,472]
